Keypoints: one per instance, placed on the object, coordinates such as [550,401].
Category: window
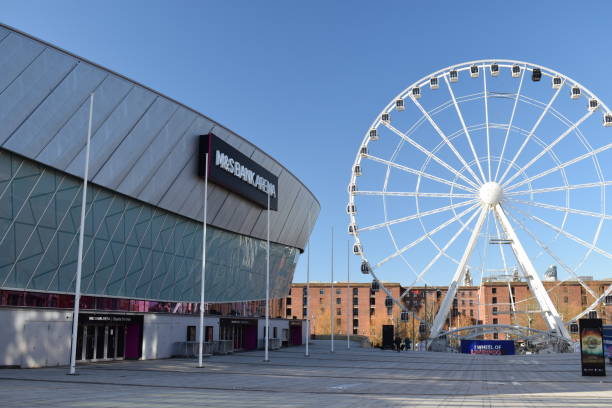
[321,291]
[462,302]
[305,291]
[208,334]
[584,300]
[191,333]
[471,302]
[355,300]
[494,310]
[338,291]
[339,311]
[320,300]
[512,290]
[495,321]
[608,300]
[288,312]
[289,291]
[288,301]
[355,330]
[565,299]
[305,312]
[355,291]
[355,311]
[389,311]
[338,301]
[338,322]
[275,332]
[496,336]
[355,322]
[494,299]
[372,301]
[494,290]
[574,328]
[471,313]
[372,310]
[305,301]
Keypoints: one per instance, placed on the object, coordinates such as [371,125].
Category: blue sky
[304,80]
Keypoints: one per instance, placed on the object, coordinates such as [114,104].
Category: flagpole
[203,277]
[331,296]
[77,290]
[307,354]
[348,295]
[267,333]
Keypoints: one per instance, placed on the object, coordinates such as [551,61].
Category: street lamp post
[77,289]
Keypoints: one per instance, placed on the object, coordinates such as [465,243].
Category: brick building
[492,303]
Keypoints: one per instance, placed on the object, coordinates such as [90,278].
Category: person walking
[397,342]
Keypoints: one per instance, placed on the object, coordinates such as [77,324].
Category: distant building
[551,274]
[495,302]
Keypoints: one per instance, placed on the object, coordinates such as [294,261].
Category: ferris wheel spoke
[443,250]
[417,215]
[465,130]
[563,209]
[549,147]
[560,166]
[440,227]
[417,172]
[558,188]
[547,249]
[530,135]
[429,154]
[516,99]
[565,233]
[450,145]
[486,106]
[413,194]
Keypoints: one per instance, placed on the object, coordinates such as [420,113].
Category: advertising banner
[607,337]
[490,347]
[592,347]
[233,170]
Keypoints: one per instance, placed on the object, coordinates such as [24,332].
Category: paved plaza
[347,378]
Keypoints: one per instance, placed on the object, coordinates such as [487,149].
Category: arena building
[144,216]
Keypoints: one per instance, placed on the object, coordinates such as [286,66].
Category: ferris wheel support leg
[549,312]
[440,318]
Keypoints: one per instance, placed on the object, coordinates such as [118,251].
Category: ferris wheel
[486,170]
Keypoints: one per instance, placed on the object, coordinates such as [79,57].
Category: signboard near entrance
[592,347]
[235,171]
[490,347]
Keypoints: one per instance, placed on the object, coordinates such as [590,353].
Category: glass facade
[132,250]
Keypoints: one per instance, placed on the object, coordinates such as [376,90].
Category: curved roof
[143,145]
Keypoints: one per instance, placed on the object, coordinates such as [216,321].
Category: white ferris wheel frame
[468,186]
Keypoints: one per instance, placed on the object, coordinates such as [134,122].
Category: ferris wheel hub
[491,193]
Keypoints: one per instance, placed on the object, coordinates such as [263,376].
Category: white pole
[331,297]
[77,290]
[267,333]
[348,296]
[307,299]
[203,277]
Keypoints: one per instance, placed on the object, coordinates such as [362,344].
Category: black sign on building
[592,347]
[236,172]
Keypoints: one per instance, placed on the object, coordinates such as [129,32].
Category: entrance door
[90,340]
[250,337]
[132,342]
[296,335]
[238,335]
